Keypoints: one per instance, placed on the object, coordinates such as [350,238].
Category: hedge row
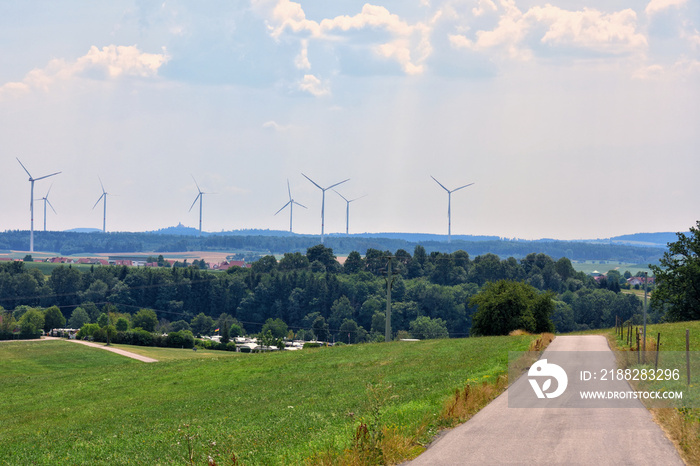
[137,337]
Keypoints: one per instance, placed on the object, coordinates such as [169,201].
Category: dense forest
[301,289]
[69,243]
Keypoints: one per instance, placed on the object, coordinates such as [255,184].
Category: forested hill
[68,243]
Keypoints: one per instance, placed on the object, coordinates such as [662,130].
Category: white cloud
[302,60]
[483,7]
[273,125]
[587,29]
[590,29]
[110,62]
[409,44]
[681,69]
[656,6]
[313,86]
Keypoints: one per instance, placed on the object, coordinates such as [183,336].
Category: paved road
[502,435]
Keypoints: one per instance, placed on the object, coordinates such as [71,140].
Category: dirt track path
[502,435]
[121,352]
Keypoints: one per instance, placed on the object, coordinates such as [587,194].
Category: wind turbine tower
[104,206]
[31,203]
[291,206]
[46,201]
[449,206]
[347,210]
[323,200]
[199,197]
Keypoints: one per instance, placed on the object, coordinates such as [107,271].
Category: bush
[231,346]
[181,339]
[204,344]
[311,345]
[141,337]
[87,330]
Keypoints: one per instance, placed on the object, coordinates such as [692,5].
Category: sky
[577,119]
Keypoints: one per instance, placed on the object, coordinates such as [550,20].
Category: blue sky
[574,121]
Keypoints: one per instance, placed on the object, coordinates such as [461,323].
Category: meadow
[65,403]
[682,422]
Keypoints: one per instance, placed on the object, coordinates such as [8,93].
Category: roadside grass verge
[682,424]
[68,404]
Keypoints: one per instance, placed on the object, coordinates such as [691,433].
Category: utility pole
[389,285]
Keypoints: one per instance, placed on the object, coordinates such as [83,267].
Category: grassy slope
[69,404]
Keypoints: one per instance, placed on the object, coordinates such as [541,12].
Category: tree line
[314,295]
[69,243]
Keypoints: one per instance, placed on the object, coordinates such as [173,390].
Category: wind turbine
[323,200]
[31,202]
[104,206]
[449,206]
[46,201]
[199,197]
[291,206]
[347,210]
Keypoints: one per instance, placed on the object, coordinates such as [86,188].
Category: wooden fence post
[687,352]
[658,345]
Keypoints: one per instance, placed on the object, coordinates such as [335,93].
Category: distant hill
[84,230]
[418,237]
[658,240]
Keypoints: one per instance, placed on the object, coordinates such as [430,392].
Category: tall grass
[682,425]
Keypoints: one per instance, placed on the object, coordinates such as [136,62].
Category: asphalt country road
[502,435]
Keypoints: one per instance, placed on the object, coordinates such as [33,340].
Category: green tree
[145,319]
[293,261]
[202,324]
[53,318]
[340,311]
[504,306]
[78,318]
[353,263]
[323,255]
[103,320]
[678,278]
[320,328]
[426,328]
[122,324]
[277,327]
[31,323]
[180,325]
[350,332]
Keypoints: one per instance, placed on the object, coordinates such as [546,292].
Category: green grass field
[605,266]
[64,403]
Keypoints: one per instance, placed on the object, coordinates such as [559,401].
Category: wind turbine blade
[283,207]
[98,200]
[440,184]
[457,189]
[195,182]
[300,205]
[340,195]
[195,201]
[47,192]
[42,177]
[101,185]
[289,190]
[333,185]
[357,198]
[49,203]
[25,168]
[313,182]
